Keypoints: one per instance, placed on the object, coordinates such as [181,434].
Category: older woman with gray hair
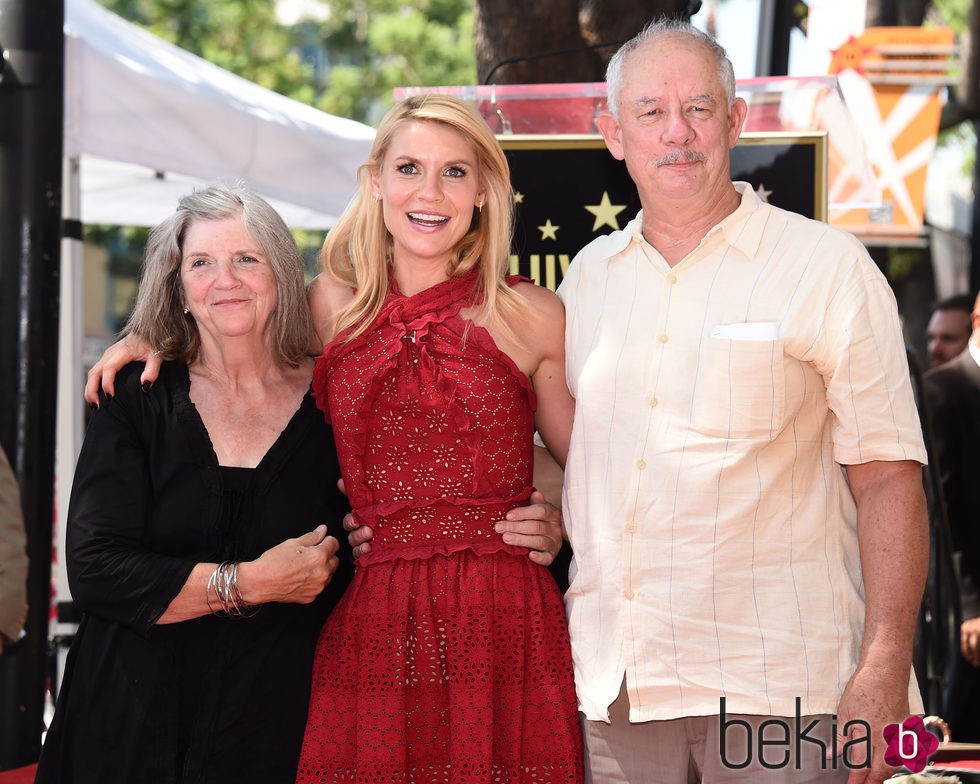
[197,542]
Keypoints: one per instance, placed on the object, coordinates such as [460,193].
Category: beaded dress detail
[447,660]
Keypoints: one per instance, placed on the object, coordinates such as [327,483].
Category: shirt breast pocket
[740,390]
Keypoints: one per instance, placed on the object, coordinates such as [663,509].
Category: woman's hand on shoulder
[327,297]
[103,373]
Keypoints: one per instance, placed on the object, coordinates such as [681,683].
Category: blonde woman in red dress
[447,660]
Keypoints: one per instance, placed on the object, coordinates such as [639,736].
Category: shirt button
[652,400]
[641,464]
[631,528]
[629,595]
[662,338]
[672,278]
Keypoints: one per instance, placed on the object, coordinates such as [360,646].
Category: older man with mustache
[743,490]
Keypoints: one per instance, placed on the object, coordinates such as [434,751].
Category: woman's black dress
[212,699]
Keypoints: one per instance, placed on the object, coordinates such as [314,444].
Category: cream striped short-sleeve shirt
[714,533]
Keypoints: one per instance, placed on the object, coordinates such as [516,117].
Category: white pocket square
[749,330]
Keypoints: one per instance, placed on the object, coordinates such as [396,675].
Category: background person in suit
[949,328]
[953,402]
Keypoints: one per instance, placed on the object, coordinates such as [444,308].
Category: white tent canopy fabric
[148,121]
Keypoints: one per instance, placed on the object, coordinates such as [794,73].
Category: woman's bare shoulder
[330,290]
[540,330]
[543,303]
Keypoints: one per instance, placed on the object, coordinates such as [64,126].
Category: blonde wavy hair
[357,250]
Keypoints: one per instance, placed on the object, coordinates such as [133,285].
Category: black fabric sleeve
[111,572]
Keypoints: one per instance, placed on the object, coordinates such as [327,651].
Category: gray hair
[158,316]
[657,29]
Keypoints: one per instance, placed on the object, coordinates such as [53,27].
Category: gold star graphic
[605,213]
[762,193]
[518,197]
[548,231]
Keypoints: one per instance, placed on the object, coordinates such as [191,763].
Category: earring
[186,311]
[479,208]
[377,196]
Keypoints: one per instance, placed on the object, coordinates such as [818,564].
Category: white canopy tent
[146,122]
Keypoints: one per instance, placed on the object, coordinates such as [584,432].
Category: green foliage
[379,45]
[964,138]
[371,46]
[902,261]
[241,36]
[951,13]
[124,245]
[956,15]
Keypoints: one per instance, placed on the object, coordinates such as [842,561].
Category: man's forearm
[893,537]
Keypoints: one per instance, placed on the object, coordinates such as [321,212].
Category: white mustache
[687,156]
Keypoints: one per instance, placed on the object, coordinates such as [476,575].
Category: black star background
[555,177]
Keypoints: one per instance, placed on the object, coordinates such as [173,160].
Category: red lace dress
[447,659]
